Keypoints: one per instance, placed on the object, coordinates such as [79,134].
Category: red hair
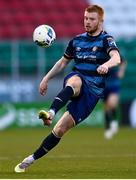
[97,9]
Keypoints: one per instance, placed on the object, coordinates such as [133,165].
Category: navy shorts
[115,89]
[80,107]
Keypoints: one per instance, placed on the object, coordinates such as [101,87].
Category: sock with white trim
[62,98]
[48,143]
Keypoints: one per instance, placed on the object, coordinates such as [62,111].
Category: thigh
[75,81]
[65,123]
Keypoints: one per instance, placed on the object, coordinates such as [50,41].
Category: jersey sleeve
[69,53]
[110,44]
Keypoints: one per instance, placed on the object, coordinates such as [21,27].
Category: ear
[101,25]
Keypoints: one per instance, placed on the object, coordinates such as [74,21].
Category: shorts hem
[72,118]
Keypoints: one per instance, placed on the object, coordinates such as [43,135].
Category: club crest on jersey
[78,48]
[94,48]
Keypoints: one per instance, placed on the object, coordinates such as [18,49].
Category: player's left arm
[113,61]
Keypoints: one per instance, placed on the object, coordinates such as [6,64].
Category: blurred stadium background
[23,64]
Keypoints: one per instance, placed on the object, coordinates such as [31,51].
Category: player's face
[91,22]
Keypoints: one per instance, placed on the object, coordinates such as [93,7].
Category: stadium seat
[31,12]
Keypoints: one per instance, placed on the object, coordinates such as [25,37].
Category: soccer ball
[44,35]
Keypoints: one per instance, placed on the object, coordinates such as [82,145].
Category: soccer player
[111,98]
[94,53]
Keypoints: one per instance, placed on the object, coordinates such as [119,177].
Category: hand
[102,69]
[43,87]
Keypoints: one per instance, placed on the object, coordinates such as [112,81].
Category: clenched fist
[102,69]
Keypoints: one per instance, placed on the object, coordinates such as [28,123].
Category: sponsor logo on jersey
[78,48]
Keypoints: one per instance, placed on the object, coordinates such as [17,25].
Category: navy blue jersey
[88,53]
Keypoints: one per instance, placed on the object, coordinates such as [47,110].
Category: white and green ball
[44,35]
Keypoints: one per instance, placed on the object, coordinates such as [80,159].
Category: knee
[59,130]
[109,107]
[75,83]
[112,102]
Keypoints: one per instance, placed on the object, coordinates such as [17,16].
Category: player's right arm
[58,67]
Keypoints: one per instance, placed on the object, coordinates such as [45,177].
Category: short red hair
[97,9]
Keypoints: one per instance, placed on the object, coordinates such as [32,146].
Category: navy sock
[62,98]
[48,143]
[114,113]
[109,116]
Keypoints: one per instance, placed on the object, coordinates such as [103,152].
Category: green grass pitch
[82,153]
